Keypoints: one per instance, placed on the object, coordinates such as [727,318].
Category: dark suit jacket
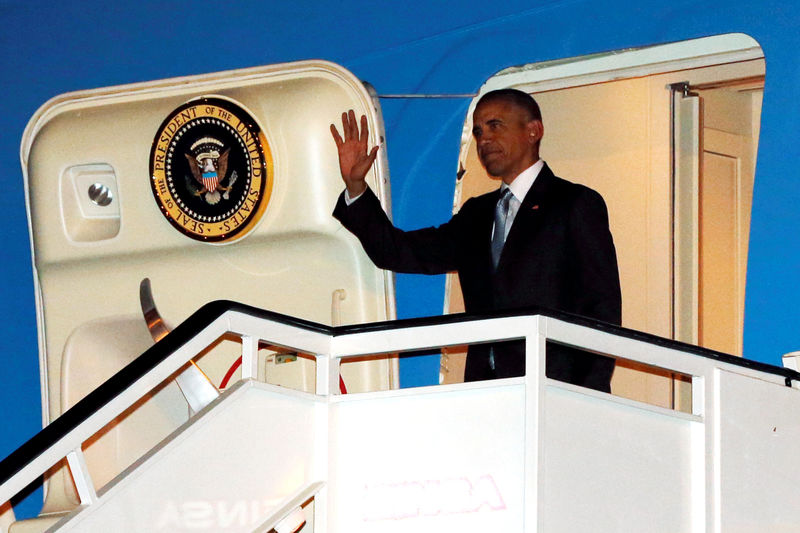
[558,254]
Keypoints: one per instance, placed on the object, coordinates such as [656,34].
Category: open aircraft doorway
[609,124]
[716,127]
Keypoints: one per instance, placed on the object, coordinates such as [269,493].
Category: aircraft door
[219,186]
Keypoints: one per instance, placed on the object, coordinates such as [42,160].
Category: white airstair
[521,454]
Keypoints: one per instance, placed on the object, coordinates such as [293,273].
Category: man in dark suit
[538,240]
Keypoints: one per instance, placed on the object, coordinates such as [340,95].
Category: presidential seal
[211,170]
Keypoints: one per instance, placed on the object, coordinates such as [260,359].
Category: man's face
[506,139]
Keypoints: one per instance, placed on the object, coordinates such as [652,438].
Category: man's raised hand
[354,161]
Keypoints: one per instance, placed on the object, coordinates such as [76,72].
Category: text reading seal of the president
[211,170]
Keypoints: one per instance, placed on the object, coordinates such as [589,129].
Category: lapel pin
[535,207]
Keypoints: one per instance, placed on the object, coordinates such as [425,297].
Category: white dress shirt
[519,188]
[348,200]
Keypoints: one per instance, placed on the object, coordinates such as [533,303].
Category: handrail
[787,373]
[128,376]
[206,316]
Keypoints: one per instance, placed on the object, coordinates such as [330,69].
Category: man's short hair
[516,97]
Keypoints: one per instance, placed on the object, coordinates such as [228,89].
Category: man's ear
[536,131]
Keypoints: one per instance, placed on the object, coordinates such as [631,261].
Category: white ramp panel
[612,465]
[229,470]
[398,464]
[401,464]
[760,471]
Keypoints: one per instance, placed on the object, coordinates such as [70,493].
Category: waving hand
[354,160]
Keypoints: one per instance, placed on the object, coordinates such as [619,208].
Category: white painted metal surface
[81,477]
[89,258]
[227,471]
[758,468]
[522,454]
[792,360]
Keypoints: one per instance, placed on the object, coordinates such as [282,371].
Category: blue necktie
[500,217]
[498,240]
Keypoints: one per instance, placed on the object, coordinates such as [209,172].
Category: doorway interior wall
[609,124]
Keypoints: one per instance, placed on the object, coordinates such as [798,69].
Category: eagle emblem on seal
[211,170]
[208,161]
